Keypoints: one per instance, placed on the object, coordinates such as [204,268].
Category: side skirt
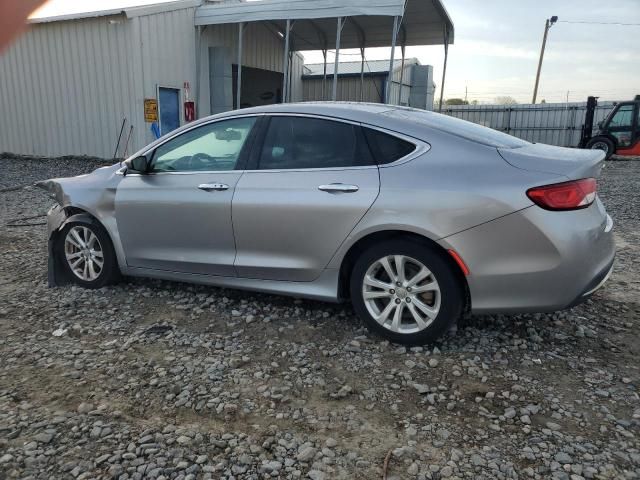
[325,288]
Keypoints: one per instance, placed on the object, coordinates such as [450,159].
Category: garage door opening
[259,87]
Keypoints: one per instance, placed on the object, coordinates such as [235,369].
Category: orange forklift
[618,134]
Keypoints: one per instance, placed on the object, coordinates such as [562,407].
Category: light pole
[547,25]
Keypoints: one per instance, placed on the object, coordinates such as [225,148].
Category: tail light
[565,196]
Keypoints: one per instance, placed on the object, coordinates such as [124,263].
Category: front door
[308,187]
[178,216]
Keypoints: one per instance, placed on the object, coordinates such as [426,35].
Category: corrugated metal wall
[551,123]
[163,52]
[65,88]
[348,89]
[262,48]
[297,70]
[400,95]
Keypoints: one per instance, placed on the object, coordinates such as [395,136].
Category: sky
[497,45]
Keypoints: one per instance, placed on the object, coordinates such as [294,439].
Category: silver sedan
[415,217]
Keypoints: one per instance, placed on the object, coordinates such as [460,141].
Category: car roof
[421,124]
[346,110]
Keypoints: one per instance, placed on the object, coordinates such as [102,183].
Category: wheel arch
[56,274]
[606,136]
[362,244]
[78,214]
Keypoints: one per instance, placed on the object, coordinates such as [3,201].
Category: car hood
[63,189]
[569,162]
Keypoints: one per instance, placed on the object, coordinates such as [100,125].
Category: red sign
[189,111]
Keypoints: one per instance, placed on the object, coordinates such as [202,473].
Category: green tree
[455,101]
[505,100]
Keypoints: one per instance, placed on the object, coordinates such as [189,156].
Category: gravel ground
[151,379]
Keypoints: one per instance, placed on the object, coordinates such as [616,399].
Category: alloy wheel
[401,294]
[84,253]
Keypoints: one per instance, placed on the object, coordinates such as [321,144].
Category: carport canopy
[323,24]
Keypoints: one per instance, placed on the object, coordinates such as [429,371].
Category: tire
[73,236]
[602,143]
[445,299]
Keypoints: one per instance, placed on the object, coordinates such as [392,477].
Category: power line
[602,23]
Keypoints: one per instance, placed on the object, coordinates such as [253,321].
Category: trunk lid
[569,162]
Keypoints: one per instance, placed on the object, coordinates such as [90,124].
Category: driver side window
[213,147]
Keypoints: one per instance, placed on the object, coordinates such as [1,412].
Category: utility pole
[547,25]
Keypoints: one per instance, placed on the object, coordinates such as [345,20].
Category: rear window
[462,128]
[387,148]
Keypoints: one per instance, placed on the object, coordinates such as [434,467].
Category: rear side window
[455,126]
[387,148]
[302,142]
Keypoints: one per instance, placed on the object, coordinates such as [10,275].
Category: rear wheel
[602,143]
[87,254]
[406,291]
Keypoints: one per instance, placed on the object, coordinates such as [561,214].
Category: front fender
[93,193]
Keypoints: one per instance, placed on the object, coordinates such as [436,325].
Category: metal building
[68,85]
[107,83]
[412,83]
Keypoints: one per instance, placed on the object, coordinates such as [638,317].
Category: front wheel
[604,144]
[87,255]
[406,291]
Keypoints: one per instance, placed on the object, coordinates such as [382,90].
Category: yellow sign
[150,110]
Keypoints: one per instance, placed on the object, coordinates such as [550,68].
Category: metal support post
[396,21]
[334,93]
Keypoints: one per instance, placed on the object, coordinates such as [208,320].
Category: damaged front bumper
[56,217]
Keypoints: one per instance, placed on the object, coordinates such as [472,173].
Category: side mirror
[138,165]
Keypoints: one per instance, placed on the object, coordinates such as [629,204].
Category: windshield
[461,128]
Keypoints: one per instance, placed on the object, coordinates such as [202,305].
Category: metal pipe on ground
[115,154]
[126,145]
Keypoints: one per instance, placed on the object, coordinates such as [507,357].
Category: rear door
[309,184]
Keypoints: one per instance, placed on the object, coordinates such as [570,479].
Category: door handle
[339,188]
[213,187]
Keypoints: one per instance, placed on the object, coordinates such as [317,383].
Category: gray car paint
[572,163]
[465,194]
[535,260]
[281,239]
[185,229]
